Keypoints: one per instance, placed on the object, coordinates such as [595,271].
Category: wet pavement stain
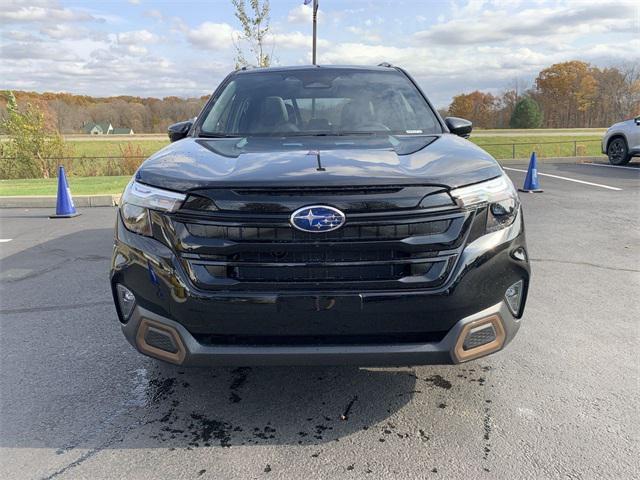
[345,414]
[439,381]
[487,431]
[264,434]
[201,472]
[160,389]
[267,469]
[239,378]
[204,430]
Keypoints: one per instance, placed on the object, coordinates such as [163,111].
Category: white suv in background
[622,141]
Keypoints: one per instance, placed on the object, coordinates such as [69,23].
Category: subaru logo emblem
[317,218]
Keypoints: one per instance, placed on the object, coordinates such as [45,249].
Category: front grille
[347,233]
[386,250]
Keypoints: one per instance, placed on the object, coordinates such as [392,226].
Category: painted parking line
[610,166]
[5,240]
[567,179]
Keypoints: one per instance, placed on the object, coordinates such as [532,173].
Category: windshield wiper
[328,134]
[217,135]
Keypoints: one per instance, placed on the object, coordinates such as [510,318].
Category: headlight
[499,194]
[138,199]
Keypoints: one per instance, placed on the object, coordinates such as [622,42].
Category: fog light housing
[479,336]
[126,300]
[513,296]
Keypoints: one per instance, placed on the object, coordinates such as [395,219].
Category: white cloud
[40,11]
[19,35]
[211,36]
[294,40]
[62,31]
[136,37]
[364,34]
[472,26]
[26,51]
[153,13]
[303,14]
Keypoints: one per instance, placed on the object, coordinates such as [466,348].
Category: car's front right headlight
[138,199]
[498,194]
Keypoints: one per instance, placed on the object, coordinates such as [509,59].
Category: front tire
[618,152]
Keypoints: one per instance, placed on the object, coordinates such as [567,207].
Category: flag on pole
[307,2]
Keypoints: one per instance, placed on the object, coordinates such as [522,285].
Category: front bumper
[169,304]
[190,352]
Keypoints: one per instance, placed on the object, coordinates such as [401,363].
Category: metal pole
[315,22]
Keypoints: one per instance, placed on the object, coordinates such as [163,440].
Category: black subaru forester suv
[319,215]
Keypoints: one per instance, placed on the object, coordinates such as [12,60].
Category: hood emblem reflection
[317,218]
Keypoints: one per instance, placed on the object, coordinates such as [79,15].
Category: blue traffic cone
[531,184]
[64,204]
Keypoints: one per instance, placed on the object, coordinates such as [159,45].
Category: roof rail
[385,64]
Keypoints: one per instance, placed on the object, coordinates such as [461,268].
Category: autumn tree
[255,28]
[32,150]
[479,107]
[566,93]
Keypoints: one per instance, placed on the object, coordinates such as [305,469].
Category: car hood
[194,163]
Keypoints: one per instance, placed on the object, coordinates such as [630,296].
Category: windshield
[319,102]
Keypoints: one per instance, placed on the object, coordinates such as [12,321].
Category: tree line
[565,95]
[67,113]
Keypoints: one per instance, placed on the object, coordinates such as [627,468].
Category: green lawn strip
[502,148]
[78,186]
[112,148]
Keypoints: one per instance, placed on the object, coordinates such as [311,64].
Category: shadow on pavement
[70,380]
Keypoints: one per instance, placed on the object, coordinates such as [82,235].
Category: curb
[543,160]
[49,201]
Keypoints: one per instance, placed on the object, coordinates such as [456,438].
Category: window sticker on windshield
[414,131]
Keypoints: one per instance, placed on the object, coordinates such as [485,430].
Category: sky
[158,48]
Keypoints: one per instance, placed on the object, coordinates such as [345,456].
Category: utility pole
[315,28]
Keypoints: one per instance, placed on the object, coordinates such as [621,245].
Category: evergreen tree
[526,114]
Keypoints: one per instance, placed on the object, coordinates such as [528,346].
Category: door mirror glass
[459,126]
[179,130]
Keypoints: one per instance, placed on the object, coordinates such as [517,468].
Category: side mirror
[179,130]
[637,120]
[459,126]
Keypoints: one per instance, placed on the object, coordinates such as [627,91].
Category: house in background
[122,131]
[105,128]
[98,128]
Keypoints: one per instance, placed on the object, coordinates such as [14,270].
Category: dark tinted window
[320,102]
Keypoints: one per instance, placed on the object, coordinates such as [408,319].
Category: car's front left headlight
[138,199]
[498,194]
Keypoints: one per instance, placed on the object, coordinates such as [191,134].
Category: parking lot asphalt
[561,401]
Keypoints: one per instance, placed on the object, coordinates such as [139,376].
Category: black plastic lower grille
[309,273]
[292,340]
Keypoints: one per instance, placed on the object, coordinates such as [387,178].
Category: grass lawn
[111,148]
[78,185]
[587,145]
